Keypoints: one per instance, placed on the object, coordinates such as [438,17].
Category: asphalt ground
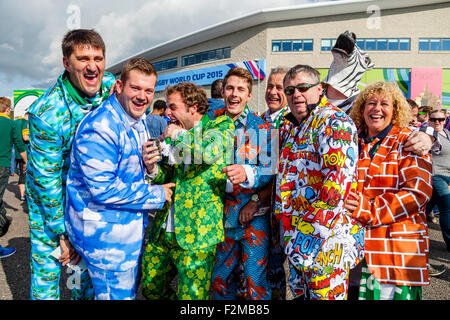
[15,270]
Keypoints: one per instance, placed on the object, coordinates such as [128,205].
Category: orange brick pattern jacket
[396,186]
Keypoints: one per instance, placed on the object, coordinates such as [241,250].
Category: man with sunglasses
[318,154]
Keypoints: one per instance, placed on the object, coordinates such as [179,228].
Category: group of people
[329,180]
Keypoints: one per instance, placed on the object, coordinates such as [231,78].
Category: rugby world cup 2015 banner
[206,76]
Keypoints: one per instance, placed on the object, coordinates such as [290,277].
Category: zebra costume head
[348,66]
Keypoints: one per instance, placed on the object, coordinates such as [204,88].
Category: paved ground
[15,270]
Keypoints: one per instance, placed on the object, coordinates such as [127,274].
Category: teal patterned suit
[197,211]
[53,120]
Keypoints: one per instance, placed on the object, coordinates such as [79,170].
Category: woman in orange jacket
[394,187]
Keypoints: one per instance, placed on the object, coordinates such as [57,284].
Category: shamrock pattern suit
[53,120]
[197,214]
[247,244]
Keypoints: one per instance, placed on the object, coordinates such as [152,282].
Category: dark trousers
[4,177]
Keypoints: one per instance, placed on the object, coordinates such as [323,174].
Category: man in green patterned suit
[184,235]
[53,120]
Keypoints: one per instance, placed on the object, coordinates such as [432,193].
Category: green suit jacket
[198,198]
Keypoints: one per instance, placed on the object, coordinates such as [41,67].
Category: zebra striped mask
[348,66]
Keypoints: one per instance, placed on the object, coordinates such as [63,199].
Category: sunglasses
[302,87]
[437,119]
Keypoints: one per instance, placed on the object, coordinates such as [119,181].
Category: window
[405,45]
[276,45]
[382,44]
[371,44]
[327,44]
[392,44]
[434,44]
[374,44]
[307,45]
[166,64]
[292,45]
[210,55]
[286,45]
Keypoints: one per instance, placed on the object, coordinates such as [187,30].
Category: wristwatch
[255,198]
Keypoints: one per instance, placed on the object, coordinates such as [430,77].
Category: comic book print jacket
[253,147]
[53,120]
[107,196]
[396,186]
[200,186]
[315,173]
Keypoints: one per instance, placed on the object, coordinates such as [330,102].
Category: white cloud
[112,255]
[95,166]
[124,233]
[30,50]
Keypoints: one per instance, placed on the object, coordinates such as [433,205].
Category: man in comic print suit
[318,154]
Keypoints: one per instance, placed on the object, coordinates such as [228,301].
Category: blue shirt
[155,125]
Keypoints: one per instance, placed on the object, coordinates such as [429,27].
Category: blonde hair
[401,110]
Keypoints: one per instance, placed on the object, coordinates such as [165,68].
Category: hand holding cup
[151,154]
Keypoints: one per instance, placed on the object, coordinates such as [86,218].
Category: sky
[30,41]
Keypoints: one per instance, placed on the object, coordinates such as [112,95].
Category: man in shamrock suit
[184,235]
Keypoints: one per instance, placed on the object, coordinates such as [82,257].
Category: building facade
[408,40]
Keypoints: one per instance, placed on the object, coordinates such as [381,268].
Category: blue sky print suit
[108,200]
[245,243]
[53,120]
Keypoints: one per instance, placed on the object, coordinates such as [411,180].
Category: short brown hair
[426,109]
[140,64]
[81,37]
[241,73]
[5,103]
[191,94]
[412,103]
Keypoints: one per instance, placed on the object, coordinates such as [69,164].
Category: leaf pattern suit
[197,210]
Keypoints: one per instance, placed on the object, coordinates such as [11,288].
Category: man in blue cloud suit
[107,194]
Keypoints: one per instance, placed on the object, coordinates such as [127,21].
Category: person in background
[53,120]
[156,123]
[414,124]
[216,100]
[10,136]
[447,120]
[423,115]
[277,108]
[441,183]
[394,187]
[22,125]
[276,101]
